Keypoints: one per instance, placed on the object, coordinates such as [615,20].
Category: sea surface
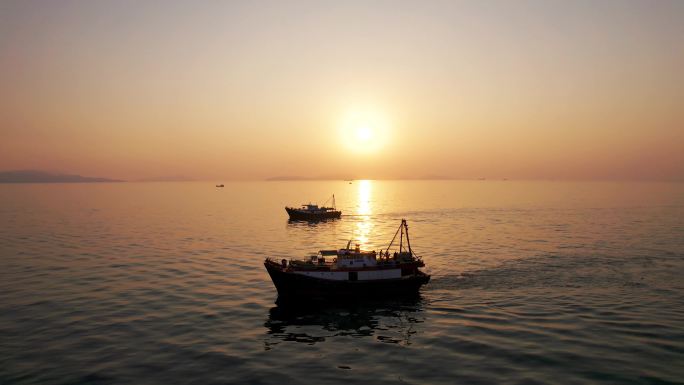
[164,283]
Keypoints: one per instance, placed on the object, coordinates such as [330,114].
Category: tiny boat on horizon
[312,212]
[350,273]
[220,185]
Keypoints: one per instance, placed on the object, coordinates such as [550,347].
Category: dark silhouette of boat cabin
[351,274]
[312,212]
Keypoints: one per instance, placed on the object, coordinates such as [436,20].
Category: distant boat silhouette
[312,212]
[220,185]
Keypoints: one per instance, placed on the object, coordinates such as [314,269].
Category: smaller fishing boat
[220,185]
[312,212]
[350,273]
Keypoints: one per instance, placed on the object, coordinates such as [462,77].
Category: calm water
[163,283]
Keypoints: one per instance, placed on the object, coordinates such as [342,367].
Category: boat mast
[328,200]
[408,242]
[393,238]
[400,231]
[401,239]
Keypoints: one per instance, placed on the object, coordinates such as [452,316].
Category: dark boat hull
[296,214]
[293,286]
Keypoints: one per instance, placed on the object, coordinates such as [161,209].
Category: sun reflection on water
[364,224]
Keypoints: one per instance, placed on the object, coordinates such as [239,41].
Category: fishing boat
[351,273]
[312,212]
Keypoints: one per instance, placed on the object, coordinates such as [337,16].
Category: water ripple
[139,283]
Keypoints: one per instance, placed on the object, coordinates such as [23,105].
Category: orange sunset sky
[367,89]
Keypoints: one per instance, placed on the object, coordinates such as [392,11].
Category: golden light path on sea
[364,224]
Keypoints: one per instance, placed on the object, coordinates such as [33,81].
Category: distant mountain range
[169,178]
[303,178]
[349,178]
[33,176]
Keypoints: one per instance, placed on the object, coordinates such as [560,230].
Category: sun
[364,132]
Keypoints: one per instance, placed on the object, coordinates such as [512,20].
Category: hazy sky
[374,89]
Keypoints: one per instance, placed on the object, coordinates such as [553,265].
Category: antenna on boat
[351,239]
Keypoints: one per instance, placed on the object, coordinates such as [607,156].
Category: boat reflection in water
[310,222]
[393,321]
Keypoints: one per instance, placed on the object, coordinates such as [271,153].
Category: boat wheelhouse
[351,273]
[312,212]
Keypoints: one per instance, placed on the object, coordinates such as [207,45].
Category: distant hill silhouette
[304,178]
[34,176]
[168,178]
[350,178]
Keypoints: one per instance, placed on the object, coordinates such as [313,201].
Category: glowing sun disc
[364,132]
